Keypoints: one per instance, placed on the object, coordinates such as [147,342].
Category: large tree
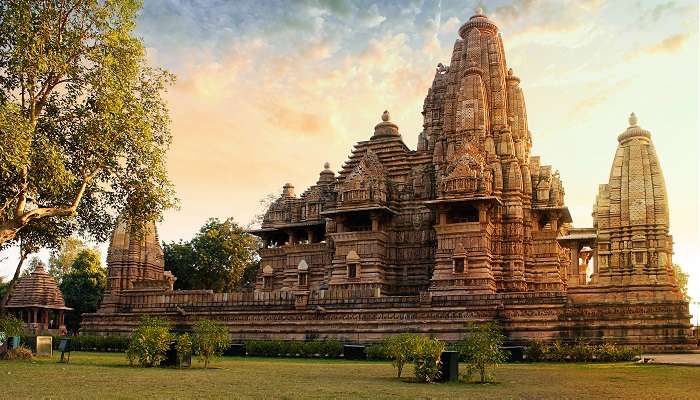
[84,128]
[83,286]
[62,259]
[219,257]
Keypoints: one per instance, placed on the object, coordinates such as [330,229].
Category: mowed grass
[107,376]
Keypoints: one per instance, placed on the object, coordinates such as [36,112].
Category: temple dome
[386,128]
[478,20]
[634,130]
[39,289]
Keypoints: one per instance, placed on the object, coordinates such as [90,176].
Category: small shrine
[38,302]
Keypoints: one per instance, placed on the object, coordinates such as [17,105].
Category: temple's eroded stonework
[468,227]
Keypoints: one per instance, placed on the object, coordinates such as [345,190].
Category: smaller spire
[327,165]
[386,116]
[479,11]
[633,119]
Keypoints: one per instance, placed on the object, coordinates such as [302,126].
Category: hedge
[579,351]
[282,348]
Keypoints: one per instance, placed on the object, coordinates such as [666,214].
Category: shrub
[376,352]
[582,352]
[210,339]
[482,349]
[536,351]
[426,359]
[400,349]
[11,326]
[20,353]
[183,347]
[149,342]
[333,348]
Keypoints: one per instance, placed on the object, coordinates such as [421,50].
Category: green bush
[149,342]
[482,349]
[376,352]
[536,351]
[580,351]
[292,348]
[333,348]
[11,326]
[183,347]
[401,349]
[426,359]
[209,340]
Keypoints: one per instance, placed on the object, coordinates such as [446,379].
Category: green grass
[107,376]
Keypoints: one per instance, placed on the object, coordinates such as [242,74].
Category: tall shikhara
[470,211]
[466,228]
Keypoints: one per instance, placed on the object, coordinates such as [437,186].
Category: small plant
[149,342]
[483,349]
[210,339]
[427,364]
[183,347]
[400,349]
[20,353]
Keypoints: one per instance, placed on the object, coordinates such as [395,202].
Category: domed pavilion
[38,302]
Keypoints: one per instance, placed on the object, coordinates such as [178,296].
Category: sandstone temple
[468,227]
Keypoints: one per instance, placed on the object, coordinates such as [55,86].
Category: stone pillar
[34,315]
[311,235]
[339,226]
[375,222]
[292,236]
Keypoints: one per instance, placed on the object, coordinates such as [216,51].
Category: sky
[268,91]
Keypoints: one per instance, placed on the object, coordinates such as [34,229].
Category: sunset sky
[268,91]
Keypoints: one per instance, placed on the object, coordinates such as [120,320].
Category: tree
[61,260]
[483,348]
[682,279]
[84,127]
[216,258]
[209,340]
[180,260]
[83,286]
[33,263]
[401,348]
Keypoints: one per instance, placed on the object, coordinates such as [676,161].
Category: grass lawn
[106,376]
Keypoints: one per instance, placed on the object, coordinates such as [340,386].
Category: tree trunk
[482,372]
[11,285]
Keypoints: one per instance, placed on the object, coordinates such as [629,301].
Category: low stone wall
[656,326]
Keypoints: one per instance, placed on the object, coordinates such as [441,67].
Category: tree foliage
[482,349]
[209,340]
[216,258]
[61,260]
[84,127]
[83,286]
[150,342]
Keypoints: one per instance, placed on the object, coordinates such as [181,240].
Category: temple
[468,227]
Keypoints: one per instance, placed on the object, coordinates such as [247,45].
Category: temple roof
[39,289]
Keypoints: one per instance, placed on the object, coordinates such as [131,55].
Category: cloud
[670,44]
[371,18]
